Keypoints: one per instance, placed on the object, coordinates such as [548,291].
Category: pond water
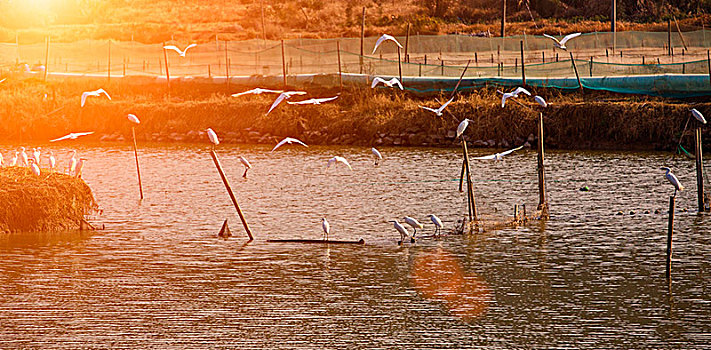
[159,277]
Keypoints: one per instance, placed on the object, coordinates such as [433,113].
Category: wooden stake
[523,67]
[670,234]
[407,42]
[399,65]
[362,38]
[227,67]
[700,170]
[283,62]
[708,63]
[229,191]
[470,188]
[575,68]
[503,18]
[542,200]
[460,79]
[264,28]
[167,72]
[46,58]
[138,167]
[681,36]
[591,65]
[340,73]
[669,52]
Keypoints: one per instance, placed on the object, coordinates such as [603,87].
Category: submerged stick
[138,167]
[229,191]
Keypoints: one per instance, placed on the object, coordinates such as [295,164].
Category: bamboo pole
[460,79]
[138,167]
[283,62]
[670,234]
[167,72]
[523,67]
[46,58]
[683,42]
[229,191]
[399,65]
[575,68]
[542,200]
[340,73]
[613,24]
[470,189]
[362,38]
[700,170]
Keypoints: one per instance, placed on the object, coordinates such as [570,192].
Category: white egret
[338,159]
[673,180]
[36,153]
[96,93]
[73,163]
[14,159]
[326,228]
[284,96]
[414,223]
[383,38]
[246,164]
[2,162]
[514,93]
[23,157]
[462,126]
[439,110]
[212,136]
[313,101]
[698,116]
[2,80]
[133,119]
[52,161]
[403,232]
[34,167]
[389,83]
[181,53]
[561,44]
[540,101]
[80,167]
[288,140]
[498,156]
[72,136]
[257,91]
[437,223]
[376,154]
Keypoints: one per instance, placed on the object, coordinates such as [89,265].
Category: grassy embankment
[359,117]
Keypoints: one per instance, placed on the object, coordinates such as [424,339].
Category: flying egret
[439,110]
[23,157]
[498,156]
[326,228]
[561,44]
[541,101]
[284,96]
[288,140]
[34,167]
[673,180]
[376,154]
[80,167]
[462,126]
[36,153]
[14,159]
[403,232]
[96,93]
[437,223]
[698,116]
[389,83]
[514,93]
[213,137]
[414,223]
[313,101]
[181,53]
[338,159]
[384,38]
[246,164]
[52,161]
[133,119]
[72,136]
[73,163]
[257,91]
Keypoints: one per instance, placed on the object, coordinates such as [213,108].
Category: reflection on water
[159,277]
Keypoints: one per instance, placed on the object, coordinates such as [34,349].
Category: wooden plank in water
[310,241]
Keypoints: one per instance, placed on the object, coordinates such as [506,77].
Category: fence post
[340,74]
[227,67]
[399,64]
[591,65]
[503,18]
[575,68]
[407,42]
[523,66]
[167,72]
[708,63]
[362,38]
[669,52]
[46,58]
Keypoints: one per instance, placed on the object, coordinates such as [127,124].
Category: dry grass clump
[49,202]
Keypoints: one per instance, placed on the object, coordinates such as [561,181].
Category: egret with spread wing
[338,159]
[439,110]
[561,44]
[383,38]
[313,101]
[498,156]
[257,91]
[181,53]
[288,140]
[284,96]
[72,136]
[96,93]
[389,83]
[514,93]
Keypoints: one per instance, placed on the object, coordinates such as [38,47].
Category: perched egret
[213,137]
[80,167]
[96,93]
[439,110]
[23,157]
[14,159]
[282,97]
[72,136]
[326,228]
[313,101]
[181,53]
[338,159]
[514,93]
[133,119]
[246,164]
[376,154]
[541,101]
[52,161]
[288,140]
[34,167]
[403,232]
[414,223]
[385,37]
[36,153]
[698,116]
[389,83]
[257,91]
[498,156]
[462,126]
[561,44]
[437,223]
[73,163]
[673,180]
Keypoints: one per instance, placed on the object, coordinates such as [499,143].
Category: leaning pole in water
[232,195]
